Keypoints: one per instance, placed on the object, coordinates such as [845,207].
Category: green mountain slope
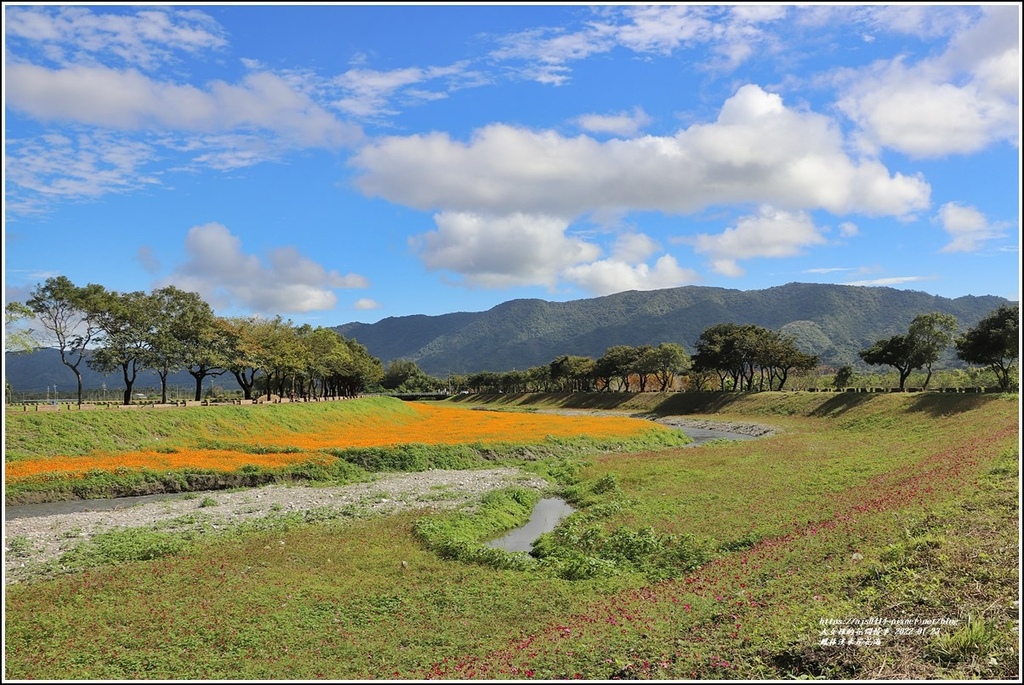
[832,321]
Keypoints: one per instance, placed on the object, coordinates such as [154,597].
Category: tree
[718,350]
[126,321]
[670,359]
[572,373]
[843,377]
[403,375]
[995,343]
[68,314]
[359,370]
[206,342]
[16,339]
[617,362]
[931,334]
[925,341]
[246,353]
[777,354]
[182,336]
[898,352]
[645,365]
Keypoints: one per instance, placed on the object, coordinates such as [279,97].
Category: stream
[551,511]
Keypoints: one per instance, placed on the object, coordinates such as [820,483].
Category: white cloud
[365,304]
[892,280]
[129,100]
[662,29]
[497,251]
[553,47]
[634,247]
[84,165]
[620,124]
[225,276]
[758,151]
[957,103]
[144,39]
[828,270]
[733,33]
[848,229]
[368,92]
[920,20]
[607,276]
[769,233]
[967,226]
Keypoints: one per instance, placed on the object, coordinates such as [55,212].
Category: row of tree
[994,343]
[170,330]
[616,369]
[743,358]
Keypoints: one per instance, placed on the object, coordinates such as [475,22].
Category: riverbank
[33,542]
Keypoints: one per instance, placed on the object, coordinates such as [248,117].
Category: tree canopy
[995,343]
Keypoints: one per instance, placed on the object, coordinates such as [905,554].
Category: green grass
[31,435]
[233,427]
[720,562]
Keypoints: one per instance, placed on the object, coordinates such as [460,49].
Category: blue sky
[336,163]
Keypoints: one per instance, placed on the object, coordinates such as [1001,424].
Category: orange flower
[427,424]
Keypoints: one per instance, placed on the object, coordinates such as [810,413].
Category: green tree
[403,375]
[356,372]
[68,315]
[246,353]
[184,335]
[16,339]
[126,320]
[617,362]
[843,377]
[282,352]
[931,334]
[572,373]
[719,349]
[995,343]
[671,359]
[645,365]
[899,352]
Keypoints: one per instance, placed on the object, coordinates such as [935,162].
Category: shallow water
[702,436]
[77,506]
[546,516]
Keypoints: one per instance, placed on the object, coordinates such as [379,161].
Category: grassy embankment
[888,513]
[54,456]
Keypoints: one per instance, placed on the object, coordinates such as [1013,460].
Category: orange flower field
[425,424]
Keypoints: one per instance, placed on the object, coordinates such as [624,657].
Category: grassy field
[103,454]
[873,537]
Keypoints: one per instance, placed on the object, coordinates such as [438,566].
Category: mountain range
[834,322]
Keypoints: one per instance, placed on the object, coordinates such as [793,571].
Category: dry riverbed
[32,542]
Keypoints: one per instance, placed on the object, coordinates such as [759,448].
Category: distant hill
[36,371]
[834,322]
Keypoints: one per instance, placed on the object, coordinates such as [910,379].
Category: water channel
[700,436]
[551,511]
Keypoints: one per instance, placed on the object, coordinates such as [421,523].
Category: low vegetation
[97,454]
[873,536]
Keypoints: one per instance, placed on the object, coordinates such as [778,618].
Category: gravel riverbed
[31,542]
